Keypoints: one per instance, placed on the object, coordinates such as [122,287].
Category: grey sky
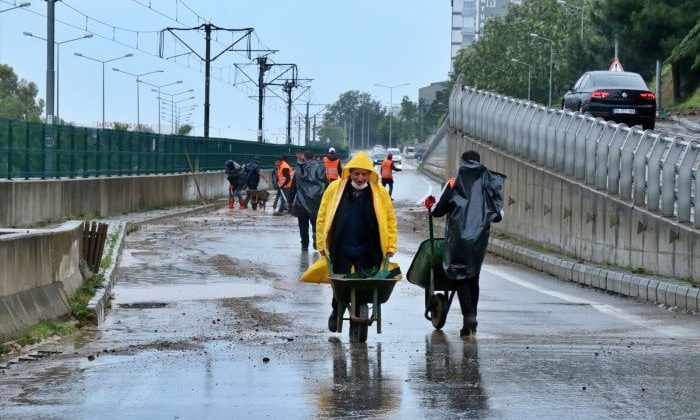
[341,44]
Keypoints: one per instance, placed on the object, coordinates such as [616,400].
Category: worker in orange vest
[387,173]
[285,174]
[332,163]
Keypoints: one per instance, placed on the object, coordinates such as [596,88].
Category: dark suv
[617,96]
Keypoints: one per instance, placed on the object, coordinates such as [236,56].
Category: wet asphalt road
[209,320]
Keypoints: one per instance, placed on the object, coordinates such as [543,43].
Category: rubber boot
[231,201]
[241,203]
[468,326]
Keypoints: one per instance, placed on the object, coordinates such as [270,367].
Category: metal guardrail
[35,150]
[646,168]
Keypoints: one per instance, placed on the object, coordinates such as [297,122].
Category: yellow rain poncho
[383,209]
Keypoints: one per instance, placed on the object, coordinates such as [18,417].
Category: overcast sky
[341,44]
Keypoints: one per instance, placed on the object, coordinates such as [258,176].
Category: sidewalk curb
[650,289]
[100,302]
[687,124]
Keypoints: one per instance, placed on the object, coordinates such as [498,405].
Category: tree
[184,130]
[18,97]
[120,126]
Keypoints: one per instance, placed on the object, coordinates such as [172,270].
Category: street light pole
[138,95]
[103,76]
[58,67]
[551,63]
[529,74]
[391,103]
[158,87]
[579,8]
[172,97]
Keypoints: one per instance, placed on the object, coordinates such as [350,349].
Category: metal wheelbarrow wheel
[438,306]
[358,331]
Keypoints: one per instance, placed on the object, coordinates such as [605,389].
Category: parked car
[617,96]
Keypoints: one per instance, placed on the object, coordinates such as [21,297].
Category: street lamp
[138,81]
[579,8]
[551,63]
[159,87]
[103,76]
[529,74]
[172,102]
[25,4]
[58,65]
[391,103]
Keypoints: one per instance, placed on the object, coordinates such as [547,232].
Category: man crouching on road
[355,225]
[472,201]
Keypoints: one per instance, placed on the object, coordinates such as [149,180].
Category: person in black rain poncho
[472,201]
[308,186]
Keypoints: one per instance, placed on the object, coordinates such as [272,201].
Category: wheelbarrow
[356,294]
[427,272]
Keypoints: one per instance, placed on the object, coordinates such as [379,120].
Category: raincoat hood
[361,161]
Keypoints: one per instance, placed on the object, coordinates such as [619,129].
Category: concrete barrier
[39,269]
[28,202]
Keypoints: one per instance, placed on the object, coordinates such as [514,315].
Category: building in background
[469,17]
[427,94]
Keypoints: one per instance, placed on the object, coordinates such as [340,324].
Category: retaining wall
[39,269]
[577,220]
[28,202]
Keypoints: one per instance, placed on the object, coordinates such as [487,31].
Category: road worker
[472,201]
[285,174]
[387,173]
[332,163]
[355,226]
[308,185]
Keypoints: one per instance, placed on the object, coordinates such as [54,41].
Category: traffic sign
[615,65]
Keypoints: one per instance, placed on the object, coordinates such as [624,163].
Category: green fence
[31,150]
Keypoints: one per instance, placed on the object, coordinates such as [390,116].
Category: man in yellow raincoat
[355,225]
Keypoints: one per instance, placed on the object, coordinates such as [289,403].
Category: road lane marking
[667,330]
[430,190]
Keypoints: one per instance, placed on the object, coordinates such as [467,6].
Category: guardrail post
[626,163]
[591,149]
[561,139]
[686,169]
[668,176]
[639,180]
[570,148]
[654,172]
[542,136]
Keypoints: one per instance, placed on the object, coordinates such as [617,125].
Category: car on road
[409,152]
[378,157]
[617,96]
[395,155]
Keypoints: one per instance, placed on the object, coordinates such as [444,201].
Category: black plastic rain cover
[310,182]
[477,199]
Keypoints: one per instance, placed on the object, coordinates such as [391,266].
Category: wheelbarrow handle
[431,286]
[329,264]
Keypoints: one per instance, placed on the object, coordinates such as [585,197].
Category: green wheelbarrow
[427,272]
[355,294]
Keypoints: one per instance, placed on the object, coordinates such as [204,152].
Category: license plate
[624,111]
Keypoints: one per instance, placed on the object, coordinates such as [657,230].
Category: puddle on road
[124,295]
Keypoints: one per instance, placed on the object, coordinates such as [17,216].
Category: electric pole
[208,59]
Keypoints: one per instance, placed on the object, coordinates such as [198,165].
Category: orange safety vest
[386,169]
[331,168]
[280,176]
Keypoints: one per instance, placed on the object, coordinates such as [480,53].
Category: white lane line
[667,330]
[430,191]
